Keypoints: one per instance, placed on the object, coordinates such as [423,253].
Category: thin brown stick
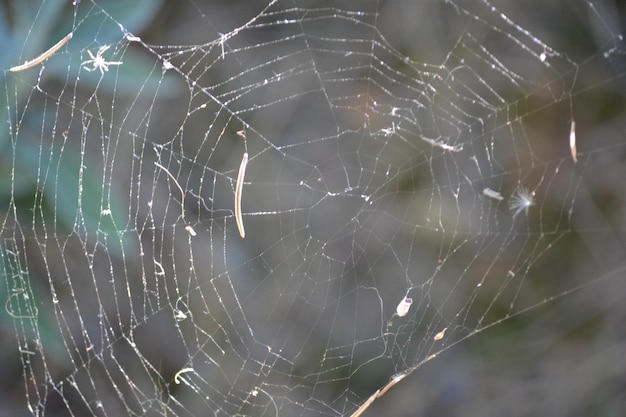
[42,57]
[379,393]
[365,405]
[393,381]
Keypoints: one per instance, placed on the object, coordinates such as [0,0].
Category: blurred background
[350,204]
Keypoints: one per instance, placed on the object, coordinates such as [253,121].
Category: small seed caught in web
[404,306]
[440,335]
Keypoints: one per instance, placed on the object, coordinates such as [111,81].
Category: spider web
[389,144]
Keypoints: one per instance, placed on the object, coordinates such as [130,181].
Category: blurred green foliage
[47,185]
[40,174]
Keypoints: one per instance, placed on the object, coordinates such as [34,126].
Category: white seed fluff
[521,200]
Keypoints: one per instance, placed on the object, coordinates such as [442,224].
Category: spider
[98,62]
